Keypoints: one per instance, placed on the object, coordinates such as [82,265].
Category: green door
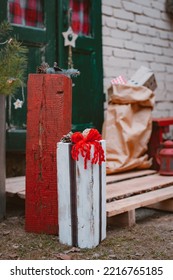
[37,32]
[45,42]
[87,58]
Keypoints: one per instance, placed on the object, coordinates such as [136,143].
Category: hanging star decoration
[70,37]
[18,104]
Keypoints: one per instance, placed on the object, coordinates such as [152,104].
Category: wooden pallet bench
[124,193]
[128,191]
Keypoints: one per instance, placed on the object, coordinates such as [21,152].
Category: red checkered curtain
[81,16]
[26,12]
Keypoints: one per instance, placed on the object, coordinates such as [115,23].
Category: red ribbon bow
[83,145]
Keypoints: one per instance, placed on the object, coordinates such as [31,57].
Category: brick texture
[139,33]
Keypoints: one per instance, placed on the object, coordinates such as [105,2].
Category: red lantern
[165,158]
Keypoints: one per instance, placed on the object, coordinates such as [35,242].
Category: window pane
[81,16]
[26,12]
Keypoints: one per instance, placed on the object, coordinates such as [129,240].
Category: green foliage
[13,61]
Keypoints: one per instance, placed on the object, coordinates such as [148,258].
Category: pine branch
[13,61]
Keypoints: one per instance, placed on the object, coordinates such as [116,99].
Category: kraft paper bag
[127,128]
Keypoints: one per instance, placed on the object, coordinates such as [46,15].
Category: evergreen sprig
[13,61]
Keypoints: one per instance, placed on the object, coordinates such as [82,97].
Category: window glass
[26,13]
[81,17]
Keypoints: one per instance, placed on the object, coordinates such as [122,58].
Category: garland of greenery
[13,61]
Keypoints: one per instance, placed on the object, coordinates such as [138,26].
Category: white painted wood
[103,143]
[64,211]
[15,186]
[88,209]
[88,204]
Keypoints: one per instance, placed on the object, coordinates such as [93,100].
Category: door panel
[41,44]
[82,103]
[87,58]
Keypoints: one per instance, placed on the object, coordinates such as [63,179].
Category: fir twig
[13,61]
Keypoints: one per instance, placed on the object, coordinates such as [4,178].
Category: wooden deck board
[134,190]
[139,188]
[128,175]
[137,185]
[137,201]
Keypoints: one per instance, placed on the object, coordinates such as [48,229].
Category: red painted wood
[48,119]
[163,121]
[160,126]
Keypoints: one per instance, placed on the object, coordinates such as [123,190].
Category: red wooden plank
[48,119]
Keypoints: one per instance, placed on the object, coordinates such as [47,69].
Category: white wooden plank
[64,210]
[103,143]
[87,201]
[13,180]
[15,185]
[137,201]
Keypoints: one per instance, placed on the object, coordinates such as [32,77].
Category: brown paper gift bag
[127,128]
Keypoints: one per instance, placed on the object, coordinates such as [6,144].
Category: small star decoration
[70,37]
[18,104]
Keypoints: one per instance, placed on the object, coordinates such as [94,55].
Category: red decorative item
[48,118]
[82,145]
[160,127]
[165,158]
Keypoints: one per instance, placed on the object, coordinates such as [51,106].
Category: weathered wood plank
[161,198]
[15,185]
[137,185]
[137,201]
[13,180]
[128,175]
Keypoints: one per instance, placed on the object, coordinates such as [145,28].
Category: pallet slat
[140,189]
[16,185]
[128,175]
[137,201]
[13,180]
[137,185]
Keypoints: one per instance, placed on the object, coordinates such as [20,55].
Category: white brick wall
[139,33]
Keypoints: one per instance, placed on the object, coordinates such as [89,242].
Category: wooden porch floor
[125,193]
[16,185]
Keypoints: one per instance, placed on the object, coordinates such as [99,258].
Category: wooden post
[124,219]
[2,157]
[48,119]
[82,199]
[165,205]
